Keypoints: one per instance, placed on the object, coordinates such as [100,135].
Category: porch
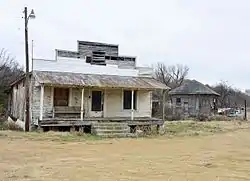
[109,126]
[63,101]
[138,121]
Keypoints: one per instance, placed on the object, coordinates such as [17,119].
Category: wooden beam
[163,105]
[104,102]
[82,104]
[132,105]
[41,102]
[70,96]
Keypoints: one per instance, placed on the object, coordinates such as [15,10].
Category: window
[96,101]
[178,100]
[127,97]
[61,96]
[88,59]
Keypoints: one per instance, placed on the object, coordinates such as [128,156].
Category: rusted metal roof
[94,80]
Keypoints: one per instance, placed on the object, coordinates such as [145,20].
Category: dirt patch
[216,157]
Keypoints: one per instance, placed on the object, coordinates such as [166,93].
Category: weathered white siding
[195,104]
[75,97]
[114,104]
[48,100]
[18,101]
[80,66]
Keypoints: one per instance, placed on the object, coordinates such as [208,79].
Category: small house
[193,98]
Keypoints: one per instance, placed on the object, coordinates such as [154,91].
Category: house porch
[73,99]
[77,108]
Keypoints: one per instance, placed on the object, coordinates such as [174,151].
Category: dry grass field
[195,151]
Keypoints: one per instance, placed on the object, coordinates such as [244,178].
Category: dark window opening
[96,101]
[178,100]
[87,129]
[88,59]
[61,96]
[127,98]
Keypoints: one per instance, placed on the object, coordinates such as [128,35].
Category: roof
[94,80]
[192,87]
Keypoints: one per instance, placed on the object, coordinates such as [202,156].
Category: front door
[97,104]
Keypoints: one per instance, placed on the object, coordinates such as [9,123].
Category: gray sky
[212,37]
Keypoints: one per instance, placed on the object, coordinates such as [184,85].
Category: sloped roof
[192,87]
[94,80]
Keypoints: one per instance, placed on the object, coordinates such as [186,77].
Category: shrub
[202,117]
[220,118]
[13,126]
[3,125]
[175,117]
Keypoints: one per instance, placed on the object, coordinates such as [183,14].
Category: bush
[176,117]
[13,126]
[202,117]
[220,118]
[3,125]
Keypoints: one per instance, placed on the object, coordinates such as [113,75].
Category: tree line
[175,75]
[10,70]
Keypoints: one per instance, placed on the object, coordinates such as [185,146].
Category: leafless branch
[173,75]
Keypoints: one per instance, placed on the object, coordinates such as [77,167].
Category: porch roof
[94,80]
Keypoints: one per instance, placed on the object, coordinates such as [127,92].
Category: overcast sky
[212,37]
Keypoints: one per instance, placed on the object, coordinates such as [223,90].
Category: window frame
[94,108]
[130,96]
[178,102]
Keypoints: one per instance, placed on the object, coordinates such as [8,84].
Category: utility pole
[27,98]
[245,110]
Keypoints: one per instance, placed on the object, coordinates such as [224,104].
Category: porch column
[82,104]
[41,102]
[163,105]
[52,101]
[132,105]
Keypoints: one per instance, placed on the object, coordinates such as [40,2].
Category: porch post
[41,102]
[132,105]
[52,101]
[82,104]
[163,105]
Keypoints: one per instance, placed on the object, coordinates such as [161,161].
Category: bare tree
[9,72]
[226,92]
[173,75]
[9,68]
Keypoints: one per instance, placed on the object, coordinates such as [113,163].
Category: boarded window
[127,98]
[96,101]
[61,96]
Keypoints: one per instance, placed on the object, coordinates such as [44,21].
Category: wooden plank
[77,123]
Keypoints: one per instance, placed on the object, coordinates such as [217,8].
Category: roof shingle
[192,87]
[94,80]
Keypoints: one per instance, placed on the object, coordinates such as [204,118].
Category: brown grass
[39,156]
